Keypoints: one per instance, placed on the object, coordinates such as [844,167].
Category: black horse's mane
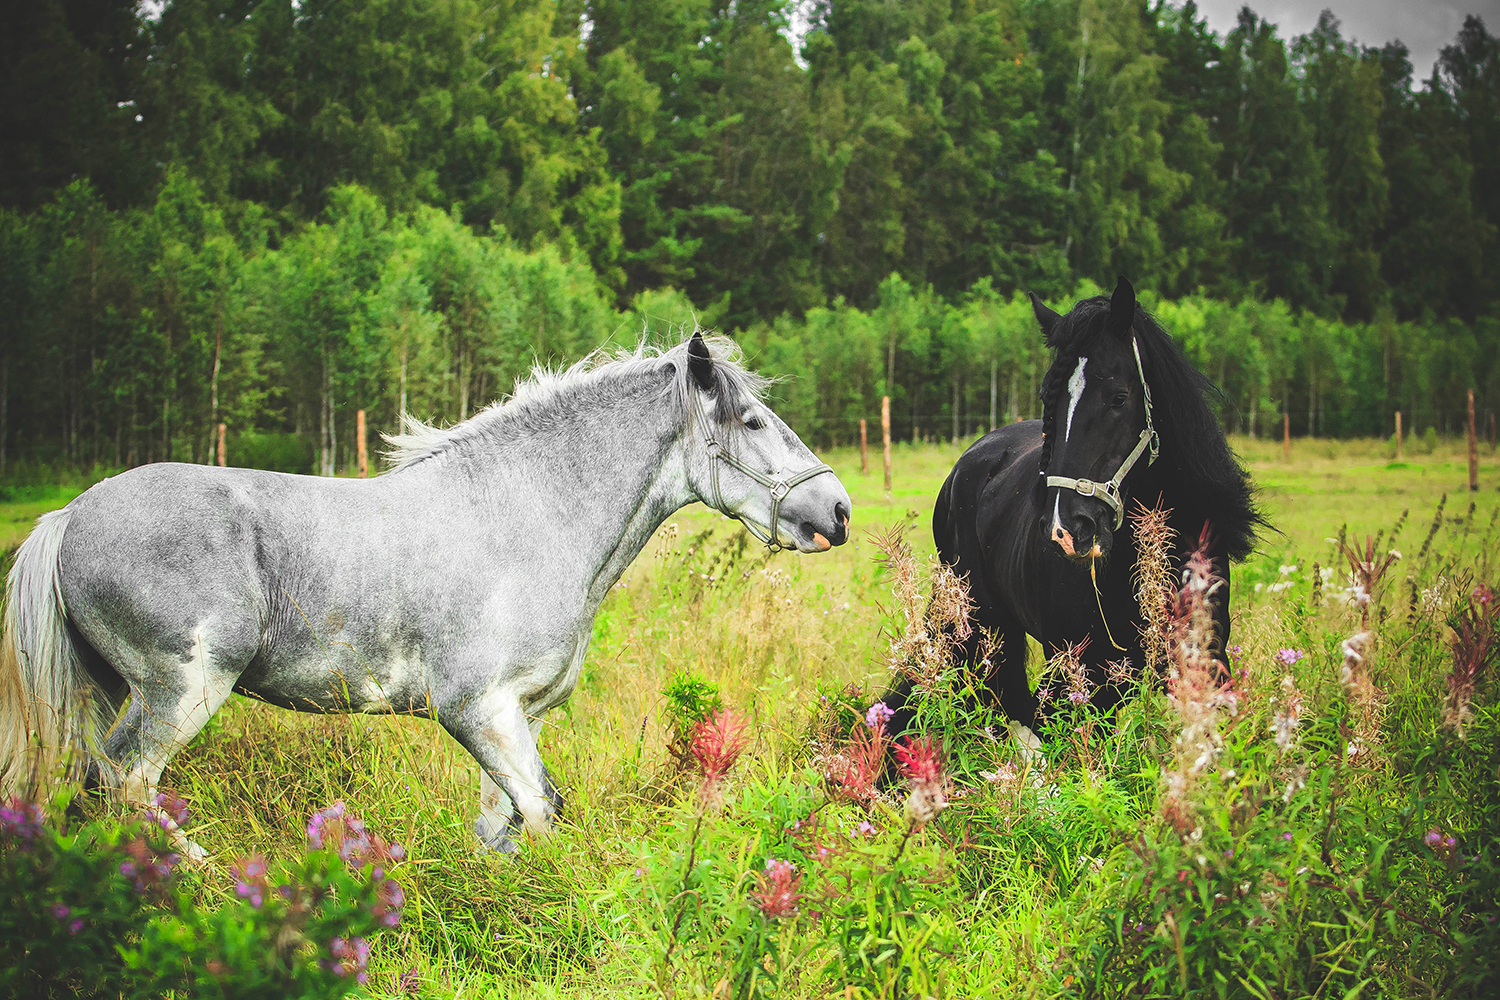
[1204,476]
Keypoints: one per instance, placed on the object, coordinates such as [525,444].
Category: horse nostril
[840,523]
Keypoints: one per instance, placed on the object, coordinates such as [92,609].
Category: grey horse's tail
[49,704]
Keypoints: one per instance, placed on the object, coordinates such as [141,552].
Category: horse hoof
[494,841]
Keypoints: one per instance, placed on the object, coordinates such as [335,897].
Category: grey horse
[461,585]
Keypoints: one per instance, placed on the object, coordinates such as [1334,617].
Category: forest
[272,214]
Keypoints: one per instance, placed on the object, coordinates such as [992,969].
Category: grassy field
[1040,886]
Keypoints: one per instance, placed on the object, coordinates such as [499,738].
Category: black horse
[1032,508]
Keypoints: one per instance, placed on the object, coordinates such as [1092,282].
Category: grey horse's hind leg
[515,793]
[165,714]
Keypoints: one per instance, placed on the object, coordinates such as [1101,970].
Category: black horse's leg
[1008,682]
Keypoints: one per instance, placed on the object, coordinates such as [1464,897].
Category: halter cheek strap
[779,488]
[1109,491]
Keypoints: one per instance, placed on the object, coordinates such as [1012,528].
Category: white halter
[1109,491]
[779,487]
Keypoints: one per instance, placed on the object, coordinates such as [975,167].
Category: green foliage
[102,907]
[689,700]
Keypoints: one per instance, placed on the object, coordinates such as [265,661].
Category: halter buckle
[780,489]
[1086,487]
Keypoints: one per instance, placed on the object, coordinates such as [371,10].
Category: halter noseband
[1109,491]
[779,487]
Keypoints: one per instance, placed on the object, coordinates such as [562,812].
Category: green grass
[1011,881]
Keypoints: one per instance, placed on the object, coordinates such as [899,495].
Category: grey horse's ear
[1122,308]
[1046,317]
[700,362]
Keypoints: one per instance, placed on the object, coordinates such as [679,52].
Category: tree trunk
[213,388]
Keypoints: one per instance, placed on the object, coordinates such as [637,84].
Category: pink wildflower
[921,762]
[878,716]
[717,743]
[778,890]
[1288,657]
[250,880]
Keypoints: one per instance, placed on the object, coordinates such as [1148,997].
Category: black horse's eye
[754,424]
[1120,399]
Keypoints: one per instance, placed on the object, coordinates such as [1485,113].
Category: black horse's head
[1097,426]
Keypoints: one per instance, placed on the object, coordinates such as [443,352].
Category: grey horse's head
[745,461]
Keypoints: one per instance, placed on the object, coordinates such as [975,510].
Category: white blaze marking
[1056,515]
[1075,393]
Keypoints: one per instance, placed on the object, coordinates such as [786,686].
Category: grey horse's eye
[754,423]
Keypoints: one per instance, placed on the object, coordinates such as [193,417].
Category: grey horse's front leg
[516,795]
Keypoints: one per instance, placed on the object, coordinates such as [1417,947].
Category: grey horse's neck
[610,463]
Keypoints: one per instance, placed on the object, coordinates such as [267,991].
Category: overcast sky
[1424,25]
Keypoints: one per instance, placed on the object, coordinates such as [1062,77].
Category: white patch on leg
[508,736]
[1031,750]
[204,693]
[1075,393]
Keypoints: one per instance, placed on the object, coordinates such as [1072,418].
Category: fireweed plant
[105,907]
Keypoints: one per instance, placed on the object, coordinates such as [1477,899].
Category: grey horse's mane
[537,400]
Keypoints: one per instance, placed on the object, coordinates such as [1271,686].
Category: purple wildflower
[1287,657]
[60,912]
[76,925]
[877,716]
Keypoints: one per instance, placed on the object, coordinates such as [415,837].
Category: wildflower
[778,890]
[1364,697]
[389,899]
[921,763]
[1475,636]
[21,820]
[1286,717]
[407,983]
[1043,695]
[250,879]
[348,956]
[1288,657]
[60,912]
[1155,540]
[1194,689]
[1287,836]
[1441,844]
[147,867]
[76,925]
[866,828]
[877,716]
[717,743]
[171,810]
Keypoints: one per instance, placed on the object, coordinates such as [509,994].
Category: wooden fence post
[1473,449]
[1398,435]
[1286,437]
[885,431]
[864,450]
[222,457]
[359,445]
[1492,432]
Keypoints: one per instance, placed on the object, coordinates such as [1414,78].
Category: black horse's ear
[700,362]
[1122,308]
[1046,317]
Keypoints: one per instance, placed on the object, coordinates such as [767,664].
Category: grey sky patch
[1424,25]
